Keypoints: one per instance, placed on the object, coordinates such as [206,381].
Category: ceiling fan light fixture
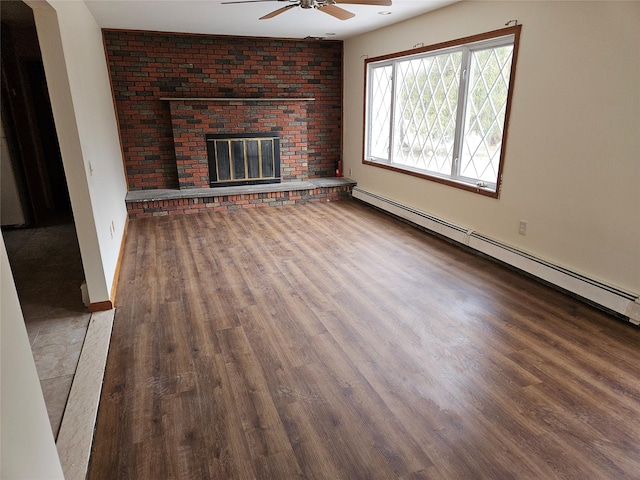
[326,6]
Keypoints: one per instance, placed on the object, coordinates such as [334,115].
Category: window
[441,112]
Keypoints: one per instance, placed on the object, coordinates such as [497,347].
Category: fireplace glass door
[243,159]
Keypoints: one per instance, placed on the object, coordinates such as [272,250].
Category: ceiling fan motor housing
[325,6]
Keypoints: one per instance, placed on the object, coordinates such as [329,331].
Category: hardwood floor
[330,341]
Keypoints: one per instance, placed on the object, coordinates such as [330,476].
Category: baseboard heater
[611,298]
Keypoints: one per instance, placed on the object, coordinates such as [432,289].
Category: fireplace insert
[243,159]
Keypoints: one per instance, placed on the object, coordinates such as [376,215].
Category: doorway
[32,141]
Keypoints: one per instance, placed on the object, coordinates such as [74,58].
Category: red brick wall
[146,66]
[193,119]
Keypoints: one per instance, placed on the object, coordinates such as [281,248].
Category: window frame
[386,60]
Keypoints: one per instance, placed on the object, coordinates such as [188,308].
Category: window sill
[445,181]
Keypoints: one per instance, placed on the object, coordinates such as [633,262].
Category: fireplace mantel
[238,99]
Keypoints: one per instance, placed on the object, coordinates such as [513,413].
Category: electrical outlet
[523,228]
[350,172]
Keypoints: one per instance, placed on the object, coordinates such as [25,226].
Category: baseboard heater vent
[594,291]
[430,222]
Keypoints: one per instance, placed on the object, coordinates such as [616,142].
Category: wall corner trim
[594,291]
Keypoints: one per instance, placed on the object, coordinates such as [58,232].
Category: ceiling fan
[326,6]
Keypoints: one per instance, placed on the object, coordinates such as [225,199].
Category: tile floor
[48,273]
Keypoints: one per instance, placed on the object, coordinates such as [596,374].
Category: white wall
[27,448]
[572,166]
[78,81]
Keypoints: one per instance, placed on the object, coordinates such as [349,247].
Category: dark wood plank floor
[330,341]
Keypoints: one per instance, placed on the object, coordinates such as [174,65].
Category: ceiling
[214,17]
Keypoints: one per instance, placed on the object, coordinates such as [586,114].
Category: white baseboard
[607,296]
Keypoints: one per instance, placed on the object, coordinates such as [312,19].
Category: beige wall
[78,81]
[572,167]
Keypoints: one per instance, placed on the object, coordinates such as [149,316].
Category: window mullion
[461,110]
[392,116]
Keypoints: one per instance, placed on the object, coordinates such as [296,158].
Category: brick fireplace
[171,90]
[192,120]
[146,67]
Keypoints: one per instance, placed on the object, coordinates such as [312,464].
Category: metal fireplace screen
[243,159]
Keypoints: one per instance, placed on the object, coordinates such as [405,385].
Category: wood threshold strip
[76,431]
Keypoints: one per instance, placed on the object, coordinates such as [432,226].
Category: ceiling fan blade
[278,11]
[337,12]
[381,3]
[251,1]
